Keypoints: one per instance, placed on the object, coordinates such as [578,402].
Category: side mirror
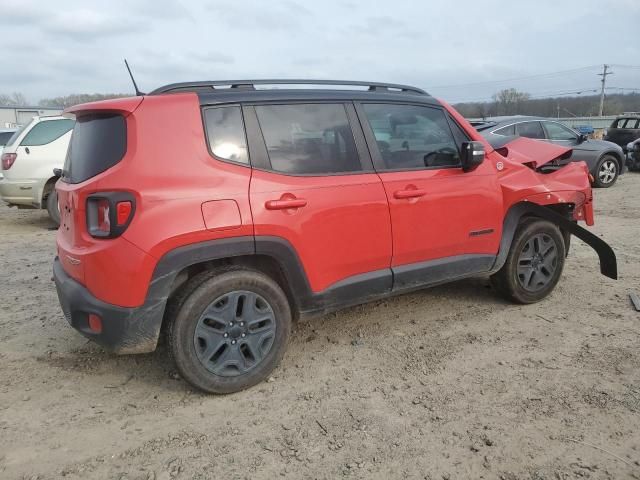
[582,138]
[57,172]
[471,155]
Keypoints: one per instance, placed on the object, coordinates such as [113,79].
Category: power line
[540,75]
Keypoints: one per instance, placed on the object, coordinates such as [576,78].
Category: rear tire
[534,263]
[228,329]
[52,207]
[606,172]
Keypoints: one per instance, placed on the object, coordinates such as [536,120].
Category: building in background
[16,116]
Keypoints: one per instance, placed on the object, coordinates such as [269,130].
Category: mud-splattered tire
[534,263]
[228,329]
[52,207]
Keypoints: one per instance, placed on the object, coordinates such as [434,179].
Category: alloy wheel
[235,333]
[537,262]
[607,172]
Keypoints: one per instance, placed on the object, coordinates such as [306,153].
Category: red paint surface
[340,225]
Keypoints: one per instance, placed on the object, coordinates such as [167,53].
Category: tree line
[513,102]
[505,102]
[17,99]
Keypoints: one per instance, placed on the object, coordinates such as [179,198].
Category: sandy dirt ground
[447,383]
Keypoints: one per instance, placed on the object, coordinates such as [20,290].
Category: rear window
[309,139]
[4,138]
[46,132]
[98,143]
[225,133]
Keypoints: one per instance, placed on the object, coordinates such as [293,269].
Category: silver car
[606,160]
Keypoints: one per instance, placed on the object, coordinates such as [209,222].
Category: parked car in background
[28,160]
[263,205]
[624,130]
[606,160]
[5,135]
[633,155]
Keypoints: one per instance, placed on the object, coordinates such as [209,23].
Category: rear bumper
[124,330]
[20,192]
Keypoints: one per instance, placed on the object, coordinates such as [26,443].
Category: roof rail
[250,85]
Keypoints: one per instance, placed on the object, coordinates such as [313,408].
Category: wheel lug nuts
[242,324]
[233,342]
[226,335]
[231,324]
[243,335]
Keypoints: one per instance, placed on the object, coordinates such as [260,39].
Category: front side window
[225,133]
[46,132]
[411,136]
[555,131]
[530,130]
[308,139]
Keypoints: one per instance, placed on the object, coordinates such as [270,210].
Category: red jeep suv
[218,212]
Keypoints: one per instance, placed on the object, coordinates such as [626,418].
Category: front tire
[606,172]
[229,329]
[52,207]
[534,263]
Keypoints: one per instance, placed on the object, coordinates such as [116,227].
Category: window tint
[530,130]
[631,123]
[506,131]
[98,143]
[46,132]
[555,131]
[308,139]
[4,138]
[225,132]
[410,136]
[459,134]
[16,134]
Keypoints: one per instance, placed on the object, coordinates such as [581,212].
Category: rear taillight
[109,213]
[8,159]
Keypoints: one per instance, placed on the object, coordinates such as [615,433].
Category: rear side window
[4,138]
[530,130]
[98,143]
[225,133]
[311,139]
[46,132]
[506,131]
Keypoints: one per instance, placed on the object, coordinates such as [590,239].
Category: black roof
[230,91]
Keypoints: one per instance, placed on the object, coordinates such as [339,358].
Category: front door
[445,222]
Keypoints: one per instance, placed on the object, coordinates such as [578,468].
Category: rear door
[445,222]
[313,187]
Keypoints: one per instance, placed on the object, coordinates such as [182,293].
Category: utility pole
[604,81]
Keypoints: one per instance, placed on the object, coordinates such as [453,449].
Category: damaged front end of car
[538,180]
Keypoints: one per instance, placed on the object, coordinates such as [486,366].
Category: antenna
[135,86]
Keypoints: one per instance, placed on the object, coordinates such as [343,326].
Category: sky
[458,50]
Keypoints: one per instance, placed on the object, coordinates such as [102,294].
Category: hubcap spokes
[235,333]
[537,262]
[607,171]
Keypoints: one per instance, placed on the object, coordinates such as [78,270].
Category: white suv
[28,160]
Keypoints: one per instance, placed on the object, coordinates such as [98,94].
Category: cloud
[85,24]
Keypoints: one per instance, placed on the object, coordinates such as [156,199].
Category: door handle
[414,193]
[285,204]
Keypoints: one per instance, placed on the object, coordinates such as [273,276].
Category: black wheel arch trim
[606,255]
